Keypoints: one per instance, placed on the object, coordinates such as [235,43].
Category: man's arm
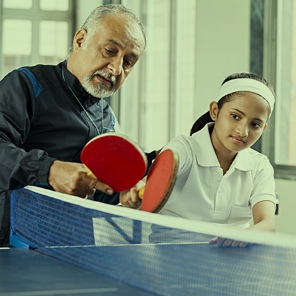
[17,166]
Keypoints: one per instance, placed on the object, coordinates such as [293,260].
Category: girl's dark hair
[206,118]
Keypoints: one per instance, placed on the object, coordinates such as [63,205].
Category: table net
[160,254]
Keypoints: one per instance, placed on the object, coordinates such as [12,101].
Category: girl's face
[239,123]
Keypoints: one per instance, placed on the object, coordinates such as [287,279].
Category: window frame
[270,73]
[36,15]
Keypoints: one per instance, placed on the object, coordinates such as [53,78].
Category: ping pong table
[76,260]
[27,272]
[256,270]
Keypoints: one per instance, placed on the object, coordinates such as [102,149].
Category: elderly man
[49,112]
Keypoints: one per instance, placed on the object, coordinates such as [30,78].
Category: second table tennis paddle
[160,181]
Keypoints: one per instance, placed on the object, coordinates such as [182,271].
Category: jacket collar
[73,82]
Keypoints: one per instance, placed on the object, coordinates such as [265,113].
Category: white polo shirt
[202,192]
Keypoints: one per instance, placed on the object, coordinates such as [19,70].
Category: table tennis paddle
[115,160]
[160,181]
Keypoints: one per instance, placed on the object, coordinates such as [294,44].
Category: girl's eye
[234,116]
[256,124]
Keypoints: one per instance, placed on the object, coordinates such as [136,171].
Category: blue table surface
[162,269]
[26,272]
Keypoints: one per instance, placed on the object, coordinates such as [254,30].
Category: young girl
[220,178]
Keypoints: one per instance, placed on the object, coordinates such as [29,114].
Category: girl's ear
[214,110]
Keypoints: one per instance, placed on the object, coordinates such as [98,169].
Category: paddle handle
[89,172]
[141,192]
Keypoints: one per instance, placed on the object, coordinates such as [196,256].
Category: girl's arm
[264,216]
[264,219]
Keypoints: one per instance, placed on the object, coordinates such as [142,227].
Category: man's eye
[109,51]
[127,63]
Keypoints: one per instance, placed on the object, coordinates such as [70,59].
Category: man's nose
[115,66]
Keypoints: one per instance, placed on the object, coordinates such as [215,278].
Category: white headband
[247,84]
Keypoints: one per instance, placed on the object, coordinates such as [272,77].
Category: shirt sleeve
[264,183]
[181,145]
[18,167]
[105,198]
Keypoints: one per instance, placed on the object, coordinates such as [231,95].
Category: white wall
[285,221]
[222,47]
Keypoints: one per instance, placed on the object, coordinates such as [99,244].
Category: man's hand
[73,178]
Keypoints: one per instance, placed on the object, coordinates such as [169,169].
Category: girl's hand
[130,198]
[225,242]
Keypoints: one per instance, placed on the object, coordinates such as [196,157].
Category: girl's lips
[238,140]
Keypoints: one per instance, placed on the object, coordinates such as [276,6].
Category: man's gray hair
[103,11]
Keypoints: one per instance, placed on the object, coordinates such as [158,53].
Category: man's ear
[214,110]
[79,39]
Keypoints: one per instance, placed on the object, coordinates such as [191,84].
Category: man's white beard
[102,91]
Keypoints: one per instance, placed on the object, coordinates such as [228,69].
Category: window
[16,43]
[280,64]
[54,5]
[285,137]
[54,43]
[165,96]
[17,4]
[34,32]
